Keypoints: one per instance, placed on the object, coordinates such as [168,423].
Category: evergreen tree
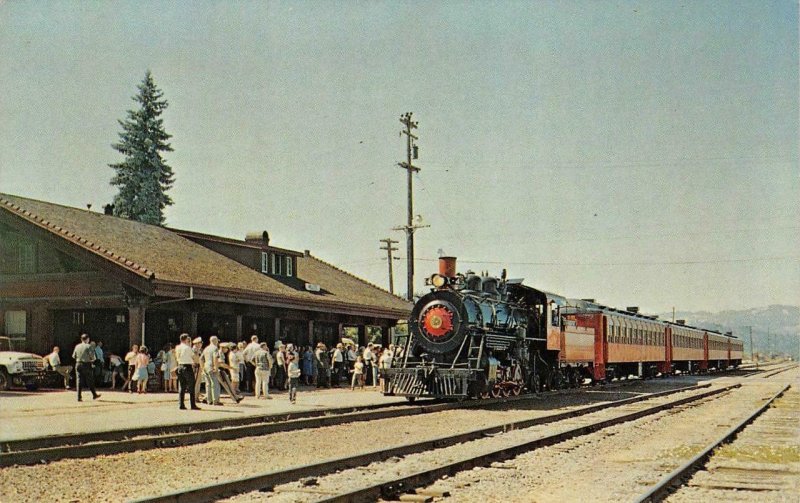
[143,177]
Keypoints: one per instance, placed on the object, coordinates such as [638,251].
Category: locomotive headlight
[438,281]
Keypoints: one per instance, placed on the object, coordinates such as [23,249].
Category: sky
[638,153]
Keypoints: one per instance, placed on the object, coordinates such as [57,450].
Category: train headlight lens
[438,281]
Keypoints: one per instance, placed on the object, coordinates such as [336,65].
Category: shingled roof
[164,257]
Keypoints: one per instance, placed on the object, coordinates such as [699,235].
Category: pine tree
[143,177]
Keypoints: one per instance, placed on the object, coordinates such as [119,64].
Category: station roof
[168,261]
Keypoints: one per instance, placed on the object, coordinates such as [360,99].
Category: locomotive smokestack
[447,267]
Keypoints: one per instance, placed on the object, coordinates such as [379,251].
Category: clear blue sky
[641,153]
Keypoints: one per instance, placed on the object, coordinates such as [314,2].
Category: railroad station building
[65,271]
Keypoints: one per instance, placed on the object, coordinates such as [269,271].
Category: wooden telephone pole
[411,152]
[389,249]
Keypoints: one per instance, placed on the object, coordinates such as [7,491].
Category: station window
[277,264]
[27,257]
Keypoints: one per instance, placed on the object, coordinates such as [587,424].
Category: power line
[594,165]
[592,264]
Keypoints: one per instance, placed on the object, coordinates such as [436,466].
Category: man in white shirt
[250,370]
[54,360]
[338,365]
[211,371]
[187,359]
[370,369]
[84,356]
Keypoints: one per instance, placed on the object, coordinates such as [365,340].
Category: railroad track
[629,409]
[53,448]
[86,445]
[677,477]
[779,370]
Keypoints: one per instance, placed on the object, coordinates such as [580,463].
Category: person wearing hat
[187,360]
[211,370]
[323,364]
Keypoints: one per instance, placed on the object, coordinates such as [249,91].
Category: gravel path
[390,470]
[145,473]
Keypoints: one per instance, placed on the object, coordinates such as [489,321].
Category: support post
[239,327]
[135,325]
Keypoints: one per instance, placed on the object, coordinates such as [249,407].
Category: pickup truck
[18,368]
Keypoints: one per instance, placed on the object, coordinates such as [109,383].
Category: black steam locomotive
[473,336]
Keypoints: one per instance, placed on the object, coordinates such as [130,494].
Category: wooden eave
[220,294]
[127,271]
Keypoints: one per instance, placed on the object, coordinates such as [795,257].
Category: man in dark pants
[187,359]
[84,355]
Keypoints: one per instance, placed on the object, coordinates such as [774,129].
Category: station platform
[43,413]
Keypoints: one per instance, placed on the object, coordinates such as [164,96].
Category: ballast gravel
[123,477]
[511,480]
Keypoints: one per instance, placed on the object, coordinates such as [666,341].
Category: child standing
[294,377]
[358,373]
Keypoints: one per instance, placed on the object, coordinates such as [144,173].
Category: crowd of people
[190,367]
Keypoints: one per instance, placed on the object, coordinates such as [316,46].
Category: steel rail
[268,480]
[779,371]
[53,448]
[675,479]
[123,441]
[267,425]
[117,435]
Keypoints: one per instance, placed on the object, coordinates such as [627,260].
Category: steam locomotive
[479,336]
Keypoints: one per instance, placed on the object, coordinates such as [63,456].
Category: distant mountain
[776,329]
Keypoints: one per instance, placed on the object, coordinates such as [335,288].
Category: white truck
[18,368]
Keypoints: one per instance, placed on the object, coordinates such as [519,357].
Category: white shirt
[130,358]
[368,355]
[234,359]
[54,360]
[337,356]
[386,359]
[210,355]
[250,351]
[184,354]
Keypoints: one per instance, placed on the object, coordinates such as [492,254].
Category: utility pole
[389,249]
[752,354]
[411,151]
